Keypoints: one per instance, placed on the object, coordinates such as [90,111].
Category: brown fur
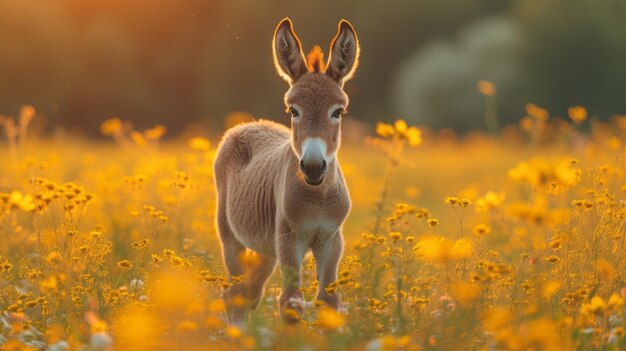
[281,191]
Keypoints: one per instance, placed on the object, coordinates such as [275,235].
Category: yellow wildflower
[432,222]
[553,259]
[155,133]
[125,264]
[23,202]
[482,229]
[414,136]
[384,130]
[199,143]
[486,87]
[578,114]
[490,201]
[400,126]
[233,332]
[329,318]
[111,126]
[461,249]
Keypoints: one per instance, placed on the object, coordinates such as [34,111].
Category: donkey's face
[315,99]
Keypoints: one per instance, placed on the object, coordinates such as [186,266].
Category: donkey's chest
[321,224]
[318,216]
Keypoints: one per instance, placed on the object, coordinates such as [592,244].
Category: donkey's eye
[293,112]
[338,113]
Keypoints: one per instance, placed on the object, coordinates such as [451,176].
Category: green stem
[491,114]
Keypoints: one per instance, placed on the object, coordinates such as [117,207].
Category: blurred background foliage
[181,63]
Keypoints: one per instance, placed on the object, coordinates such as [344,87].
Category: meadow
[507,241]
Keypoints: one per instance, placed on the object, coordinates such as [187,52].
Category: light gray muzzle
[313,162]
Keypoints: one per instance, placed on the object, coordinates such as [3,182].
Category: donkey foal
[281,191]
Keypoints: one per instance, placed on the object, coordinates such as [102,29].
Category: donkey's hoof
[327,300]
[292,308]
[236,316]
[240,324]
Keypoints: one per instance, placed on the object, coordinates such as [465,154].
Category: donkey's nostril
[302,168]
[324,165]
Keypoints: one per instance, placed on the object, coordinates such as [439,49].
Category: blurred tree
[556,53]
[80,62]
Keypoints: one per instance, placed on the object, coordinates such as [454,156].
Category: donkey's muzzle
[314,171]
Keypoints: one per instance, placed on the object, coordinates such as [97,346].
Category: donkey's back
[249,161]
[246,143]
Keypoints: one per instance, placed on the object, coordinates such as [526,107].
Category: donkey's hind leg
[255,272]
[232,252]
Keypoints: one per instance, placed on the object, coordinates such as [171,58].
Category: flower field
[509,241]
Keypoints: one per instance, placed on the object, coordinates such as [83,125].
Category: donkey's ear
[344,53]
[288,57]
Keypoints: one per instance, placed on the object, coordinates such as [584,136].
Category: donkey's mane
[315,60]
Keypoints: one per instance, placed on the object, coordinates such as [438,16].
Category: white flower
[374,345]
[101,341]
[60,345]
[136,284]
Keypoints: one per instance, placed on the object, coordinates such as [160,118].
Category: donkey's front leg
[290,254]
[327,255]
